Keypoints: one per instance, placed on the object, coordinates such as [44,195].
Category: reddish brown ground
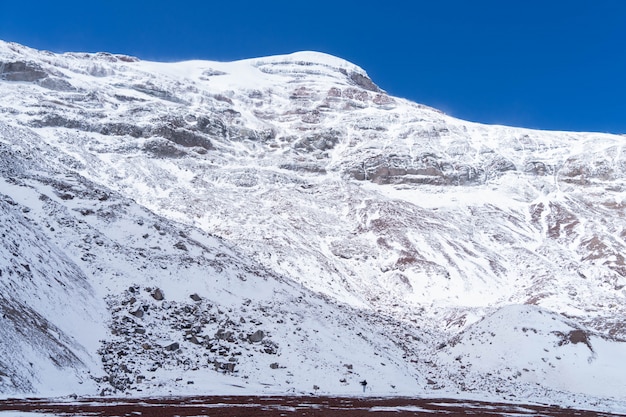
[283,406]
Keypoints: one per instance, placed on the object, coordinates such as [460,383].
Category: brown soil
[282,406]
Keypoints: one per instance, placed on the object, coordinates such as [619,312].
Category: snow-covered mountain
[282,224]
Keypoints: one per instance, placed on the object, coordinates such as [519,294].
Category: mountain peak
[315,63]
[312,58]
[260,221]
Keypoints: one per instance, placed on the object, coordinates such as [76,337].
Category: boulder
[157,294]
[256,336]
[172,347]
[227,367]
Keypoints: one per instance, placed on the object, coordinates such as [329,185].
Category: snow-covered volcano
[282,224]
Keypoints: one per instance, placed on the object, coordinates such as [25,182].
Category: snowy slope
[45,332]
[531,348]
[304,207]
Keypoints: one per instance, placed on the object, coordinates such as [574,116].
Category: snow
[537,347]
[360,232]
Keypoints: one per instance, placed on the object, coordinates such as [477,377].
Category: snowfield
[281,225]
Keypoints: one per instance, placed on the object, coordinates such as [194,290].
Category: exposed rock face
[364,82]
[21,71]
[57,84]
[182,137]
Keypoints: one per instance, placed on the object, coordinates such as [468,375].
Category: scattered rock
[575,337]
[226,367]
[222,334]
[181,246]
[65,196]
[172,347]
[256,336]
[157,294]
[137,313]
[195,297]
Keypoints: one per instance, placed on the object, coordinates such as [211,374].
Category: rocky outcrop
[21,71]
[56,84]
[183,137]
[364,82]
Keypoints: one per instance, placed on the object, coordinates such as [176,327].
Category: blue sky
[542,64]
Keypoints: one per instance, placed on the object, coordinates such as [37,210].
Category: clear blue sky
[542,64]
